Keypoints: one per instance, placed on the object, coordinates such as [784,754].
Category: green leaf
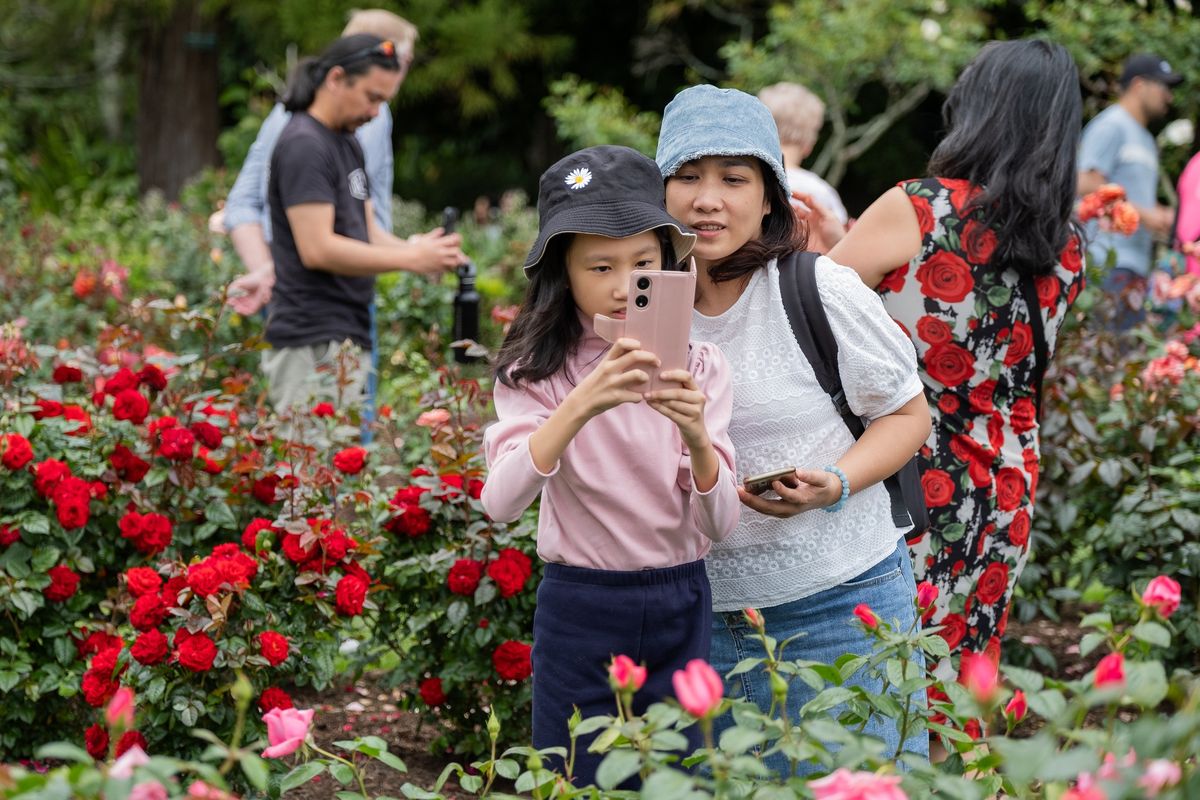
[508,769]
[470,783]
[826,700]
[616,767]
[456,613]
[342,773]
[1146,682]
[255,770]
[219,513]
[1090,642]
[1049,704]
[954,532]
[667,784]
[300,776]
[999,295]
[44,558]
[740,740]
[392,761]
[417,793]
[1151,632]
[65,752]
[745,665]
[1025,679]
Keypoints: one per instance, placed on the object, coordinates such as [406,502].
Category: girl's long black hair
[351,53]
[782,233]
[547,330]
[1014,119]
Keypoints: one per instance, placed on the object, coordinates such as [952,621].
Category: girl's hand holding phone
[809,489]
[683,406]
[609,383]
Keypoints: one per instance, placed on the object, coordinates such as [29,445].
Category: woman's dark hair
[1014,118]
[355,54]
[781,234]
[546,331]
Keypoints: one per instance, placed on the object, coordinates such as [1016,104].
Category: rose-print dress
[970,325]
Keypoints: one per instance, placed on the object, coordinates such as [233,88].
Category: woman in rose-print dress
[998,213]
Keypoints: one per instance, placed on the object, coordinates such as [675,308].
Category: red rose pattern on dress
[970,326]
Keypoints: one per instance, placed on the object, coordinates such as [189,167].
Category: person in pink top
[1187,224]
[634,487]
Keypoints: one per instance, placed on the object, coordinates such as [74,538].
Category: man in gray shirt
[1117,148]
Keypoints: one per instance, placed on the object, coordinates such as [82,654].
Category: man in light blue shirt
[1117,148]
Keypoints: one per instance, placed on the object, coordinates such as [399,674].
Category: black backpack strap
[1041,349]
[810,325]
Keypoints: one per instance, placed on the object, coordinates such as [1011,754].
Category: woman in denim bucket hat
[632,492]
[823,541]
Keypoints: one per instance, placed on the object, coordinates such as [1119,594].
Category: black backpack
[806,315]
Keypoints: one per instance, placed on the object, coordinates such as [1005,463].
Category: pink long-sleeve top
[621,496]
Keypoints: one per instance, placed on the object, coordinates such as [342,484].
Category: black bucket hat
[608,191]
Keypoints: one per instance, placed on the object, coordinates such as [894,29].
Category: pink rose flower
[927,595]
[1085,789]
[626,676]
[1159,774]
[148,790]
[978,673]
[1110,671]
[133,758]
[1017,707]
[843,784]
[754,617]
[698,687]
[119,711]
[287,728]
[866,615]
[1162,594]
[434,419]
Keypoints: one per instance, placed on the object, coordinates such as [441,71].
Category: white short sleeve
[877,362]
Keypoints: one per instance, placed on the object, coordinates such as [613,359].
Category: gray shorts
[334,372]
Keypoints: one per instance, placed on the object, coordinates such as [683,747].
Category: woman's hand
[824,228]
[683,406]
[609,383]
[808,489]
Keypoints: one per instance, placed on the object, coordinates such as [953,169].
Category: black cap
[608,191]
[1150,67]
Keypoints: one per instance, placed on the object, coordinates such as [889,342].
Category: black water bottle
[466,298]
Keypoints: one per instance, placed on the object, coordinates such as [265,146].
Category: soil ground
[365,708]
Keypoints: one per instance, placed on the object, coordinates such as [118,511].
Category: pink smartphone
[659,316]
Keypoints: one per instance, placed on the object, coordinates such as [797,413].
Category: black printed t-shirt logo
[358,184]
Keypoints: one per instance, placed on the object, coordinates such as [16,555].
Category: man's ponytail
[302,86]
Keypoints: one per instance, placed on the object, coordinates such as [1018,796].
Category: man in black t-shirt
[327,246]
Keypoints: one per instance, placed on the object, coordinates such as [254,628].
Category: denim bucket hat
[608,191]
[707,121]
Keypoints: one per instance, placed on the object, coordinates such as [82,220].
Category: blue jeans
[826,621]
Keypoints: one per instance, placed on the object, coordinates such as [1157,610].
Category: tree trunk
[178,116]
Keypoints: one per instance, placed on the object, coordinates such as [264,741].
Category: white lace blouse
[782,417]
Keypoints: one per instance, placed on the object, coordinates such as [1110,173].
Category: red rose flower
[98,641]
[1021,345]
[98,687]
[973,729]
[981,397]
[1048,289]
[47,475]
[207,434]
[350,460]
[15,451]
[161,424]
[520,559]
[995,430]
[150,375]
[993,583]
[148,612]
[264,489]
[105,662]
[1018,529]
[294,552]
[272,698]
[978,241]
[948,403]
[431,692]
[48,408]
[9,534]
[1024,415]
[954,628]
[336,545]
[77,414]
[128,466]
[893,281]
[946,277]
[949,364]
[150,648]
[72,498]
[64,582]
[95,741]
[511,661]
[508,575]
[250,535]
[349,596]
[1010,488]
[274,647]
[204,579]
[122,380]
[131,405]
[413,521]
[196,652]
[323,410]
[475,488]
[924,213]
[933,330]
[64,373]
[128,740]
[464,576]
[938,486]
[178,444]
[171,590]
[150,533]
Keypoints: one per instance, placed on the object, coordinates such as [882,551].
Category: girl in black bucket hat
[632,493]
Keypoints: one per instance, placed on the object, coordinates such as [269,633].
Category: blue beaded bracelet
[845,488]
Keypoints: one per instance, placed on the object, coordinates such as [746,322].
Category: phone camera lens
[641,301]
[643,283]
